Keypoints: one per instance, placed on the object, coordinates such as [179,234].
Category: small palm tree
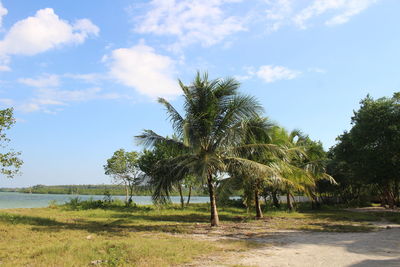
[259,134]
[211,131]
[306,163]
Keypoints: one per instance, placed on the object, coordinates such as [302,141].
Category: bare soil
[304,248]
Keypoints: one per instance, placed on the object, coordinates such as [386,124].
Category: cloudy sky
[83,76]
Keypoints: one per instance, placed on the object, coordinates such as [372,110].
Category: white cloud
[44,81]
[42,32]
[142,68]
[333,12]
[277,13]
[3,12]
[58,97]
[317,70]
[87,77]
[6,102]
[203,22]
[343,10]
[47,98]
[29,107]
[271,74]
[242,77]
[4,67]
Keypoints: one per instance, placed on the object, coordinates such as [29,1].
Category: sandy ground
[295,248]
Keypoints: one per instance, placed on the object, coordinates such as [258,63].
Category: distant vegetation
[115,190]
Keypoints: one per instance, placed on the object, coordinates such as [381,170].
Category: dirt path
[294,248]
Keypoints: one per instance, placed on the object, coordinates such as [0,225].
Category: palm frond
[174,116]
[239,109]
[149,138]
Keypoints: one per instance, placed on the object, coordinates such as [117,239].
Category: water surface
[10,200]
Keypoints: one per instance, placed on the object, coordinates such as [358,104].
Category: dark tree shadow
[28,220]
[375,263]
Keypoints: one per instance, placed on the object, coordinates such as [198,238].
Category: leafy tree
[306,164]
[211,132]
[294,176]
[351,189]
[298,161]
[370,151]
[151,163]
[9,161]
[123,167]
[315,163]
[257,135]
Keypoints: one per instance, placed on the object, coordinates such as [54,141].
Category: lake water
[10,200]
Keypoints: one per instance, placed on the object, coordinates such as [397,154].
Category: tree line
[366,159]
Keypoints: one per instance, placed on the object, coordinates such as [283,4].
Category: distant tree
[123,167]
[10,162]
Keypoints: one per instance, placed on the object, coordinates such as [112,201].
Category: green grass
[147,235]
[117,236]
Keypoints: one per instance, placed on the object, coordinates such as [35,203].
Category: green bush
[77,203]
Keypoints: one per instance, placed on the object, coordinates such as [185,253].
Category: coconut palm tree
[257,131]
[306,164]
[211,130]
[260,132]
[295,158]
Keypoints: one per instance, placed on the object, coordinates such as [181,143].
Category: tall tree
[258,131]
[211,132]
[123,167]
[374,142]
[10,162]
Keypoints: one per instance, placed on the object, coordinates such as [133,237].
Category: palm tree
[257,131]
[306,164]
[260,133]
[211,132]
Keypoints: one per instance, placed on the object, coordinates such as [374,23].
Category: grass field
[145,235]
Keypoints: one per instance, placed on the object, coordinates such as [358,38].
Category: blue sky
[83,76]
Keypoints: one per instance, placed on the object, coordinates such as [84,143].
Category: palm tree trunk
[259,214]
[275,199]
[189,195]
[213,203]
[289,202]
[181,194]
